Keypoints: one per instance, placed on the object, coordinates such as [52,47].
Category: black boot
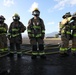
[19,55]
[41,51]
[34,52]
[33,57]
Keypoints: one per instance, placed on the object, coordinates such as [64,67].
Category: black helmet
[68,14]
[36,12]
[16,17]
[63,16]
[74,16]
[2,18]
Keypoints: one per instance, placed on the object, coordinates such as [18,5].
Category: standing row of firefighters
[36,34]
[68,32]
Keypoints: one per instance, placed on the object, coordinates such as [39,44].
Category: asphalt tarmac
[54,64]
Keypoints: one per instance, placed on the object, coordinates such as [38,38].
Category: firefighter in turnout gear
[36,34]
[73,28]
[15,37]
[65,32]
[3,35]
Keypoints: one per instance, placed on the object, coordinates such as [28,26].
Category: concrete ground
[54,64]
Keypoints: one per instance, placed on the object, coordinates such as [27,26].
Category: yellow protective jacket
[64,26]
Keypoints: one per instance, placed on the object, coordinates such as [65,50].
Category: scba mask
[36,13]
[16,18]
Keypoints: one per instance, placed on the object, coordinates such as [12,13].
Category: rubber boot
[41,50]
[34,50]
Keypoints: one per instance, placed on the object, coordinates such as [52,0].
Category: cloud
[34,5]
[8,3]
[49,23]
[61,4]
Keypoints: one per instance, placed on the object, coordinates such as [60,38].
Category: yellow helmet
[36,9]
[16,17]
[36,12]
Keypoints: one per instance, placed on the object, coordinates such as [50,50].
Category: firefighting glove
[59,33]
[43,35]
[9,37]
[1,31]
[71,37]
[30,36]
[68,36]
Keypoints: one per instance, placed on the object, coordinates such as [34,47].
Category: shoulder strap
[33,19]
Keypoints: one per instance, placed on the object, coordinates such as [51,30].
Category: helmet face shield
[1,20]
[15,18]
[36,13]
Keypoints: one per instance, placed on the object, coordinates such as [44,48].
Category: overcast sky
[51,11]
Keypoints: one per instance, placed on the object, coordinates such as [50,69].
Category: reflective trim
[74,27]
[2,50]
[32,35]
[28,30]
[35,26]
[43,31]
[41,53]
[63,49]
[12,51]
[14,35]
[8,33]
[38,35]
[19,52]
[2,28]
[34,53]
[68,32]
[74,34]
[15,29]
[62,31]
[73,49]
[6,49]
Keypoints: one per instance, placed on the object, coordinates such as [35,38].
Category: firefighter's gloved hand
[30,36]
[43,35]
[1,31]
[59,33]
[68,36]
[71,36]
[9,37]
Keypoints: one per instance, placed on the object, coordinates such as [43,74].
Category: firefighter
[15,37]
[3,35]
[36,34]
[73,28]
[65,32]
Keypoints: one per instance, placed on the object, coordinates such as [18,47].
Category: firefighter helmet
[74,15]
[68,14]
[2,18]
[16,17]
[36,12]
